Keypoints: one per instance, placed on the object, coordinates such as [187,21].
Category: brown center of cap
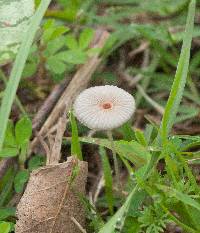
[106,105]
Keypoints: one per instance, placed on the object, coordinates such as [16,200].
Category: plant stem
[116,165]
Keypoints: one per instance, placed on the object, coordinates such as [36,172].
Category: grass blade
[10,91]
[175,97]
[75,144]
[107,172]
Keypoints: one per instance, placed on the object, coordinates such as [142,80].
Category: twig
[78,225]
[100,185]
[143,46]
[48,105]
[55,150]
[45,146]
[91,132]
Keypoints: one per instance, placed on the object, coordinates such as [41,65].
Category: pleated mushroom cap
[104,107]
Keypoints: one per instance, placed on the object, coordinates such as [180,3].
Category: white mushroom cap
[104,107]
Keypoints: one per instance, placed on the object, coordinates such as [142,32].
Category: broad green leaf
[75,144]
[23,131]
[14,20]
[18,67]
[4,227]
[7,212]
[54,46]
[53,33]
[107,172]
[58,31]
[71,42]
[176,94]
[20,179]
[73,56]
[132,150]
[9,152]
[55,65]
[85,38]
[93,51]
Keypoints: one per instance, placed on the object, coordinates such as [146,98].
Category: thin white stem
[78,225]
[116,165]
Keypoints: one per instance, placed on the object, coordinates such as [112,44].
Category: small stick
[78,225]
[100,185]
[48,105]
[143,46]
[56,148]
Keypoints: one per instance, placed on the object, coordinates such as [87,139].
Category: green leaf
[176,94]
[36,162]
[14,19]
[108,178]
[73,56]
[75,144]
[9,152]
[54,32]
[55,65]
[4,227]
[10,140]
[29,70]
[12,85]
[20,179]
[71,42]
[54,46]
[93,51]
[23,131]
[85,38]
[7,212]
[140,137]
[132,150]
[58,31]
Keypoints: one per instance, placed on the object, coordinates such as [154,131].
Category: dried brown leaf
[51,199]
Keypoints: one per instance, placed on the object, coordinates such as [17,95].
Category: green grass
[177,89]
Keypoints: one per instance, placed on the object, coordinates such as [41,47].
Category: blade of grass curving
[75,143]
[10,91]
[176,94]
